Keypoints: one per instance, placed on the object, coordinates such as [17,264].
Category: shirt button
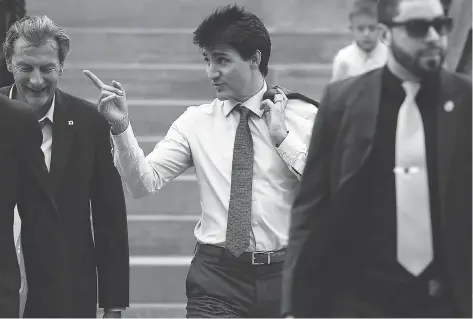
[255,223]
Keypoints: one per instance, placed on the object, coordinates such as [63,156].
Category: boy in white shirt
[366,52]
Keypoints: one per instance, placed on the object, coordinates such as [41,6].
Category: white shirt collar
[377,50]
[253,103]
[49,114]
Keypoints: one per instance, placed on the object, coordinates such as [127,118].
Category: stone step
[156,311]
[276,14]
[148,119]
[176,198]
[168,46]
[162,238]
[184,81]
[158,284]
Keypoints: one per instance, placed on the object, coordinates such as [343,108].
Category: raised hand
[275,116]
[112,100]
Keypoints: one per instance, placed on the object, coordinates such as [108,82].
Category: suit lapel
[63,136]
[447,115]
[5,90]
[37,166]
[359,125]
[40,171]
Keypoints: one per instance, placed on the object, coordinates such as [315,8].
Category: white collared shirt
[203,137]
[47,130]
[352,60]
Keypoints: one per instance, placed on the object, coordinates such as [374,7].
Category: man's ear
[255,59]
[61,69]
[10,67]
[385,34]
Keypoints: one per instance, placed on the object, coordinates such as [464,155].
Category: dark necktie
[239,209]
[46,128]
[44,122]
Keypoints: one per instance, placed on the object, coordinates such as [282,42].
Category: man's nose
[212,72]
[432,35]
[36,78]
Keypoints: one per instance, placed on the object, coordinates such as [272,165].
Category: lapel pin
[449,106]
[70,123]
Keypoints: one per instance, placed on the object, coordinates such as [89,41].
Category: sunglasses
[418,28]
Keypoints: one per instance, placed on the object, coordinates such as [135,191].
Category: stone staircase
[147,46]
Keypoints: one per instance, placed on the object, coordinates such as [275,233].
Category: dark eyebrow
[49,65]
[219,54]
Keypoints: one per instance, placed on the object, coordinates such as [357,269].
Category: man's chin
[36,102]
[222,96]
[431,66]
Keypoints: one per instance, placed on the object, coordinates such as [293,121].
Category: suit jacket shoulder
[16,114]
[82,108]
[346,87]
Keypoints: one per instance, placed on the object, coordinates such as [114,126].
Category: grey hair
[36,30]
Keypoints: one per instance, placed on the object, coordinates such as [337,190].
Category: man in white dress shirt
[248,154]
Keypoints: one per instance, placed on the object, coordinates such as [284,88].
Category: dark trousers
[226,286]
[9,303]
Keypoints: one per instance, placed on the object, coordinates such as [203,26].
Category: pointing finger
[98,83]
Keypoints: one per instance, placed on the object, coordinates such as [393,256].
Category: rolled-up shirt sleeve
[293,150]
[147,175]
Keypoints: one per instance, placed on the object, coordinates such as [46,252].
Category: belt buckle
[253,257]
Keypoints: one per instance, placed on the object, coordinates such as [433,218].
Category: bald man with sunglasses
[382,224]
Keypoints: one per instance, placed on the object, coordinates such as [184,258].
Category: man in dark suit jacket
[64,255]
[343,249]
[21,163]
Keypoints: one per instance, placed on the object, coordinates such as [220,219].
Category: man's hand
[112,314]
[111,103]
[275,116]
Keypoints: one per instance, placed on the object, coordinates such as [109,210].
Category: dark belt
[252,258]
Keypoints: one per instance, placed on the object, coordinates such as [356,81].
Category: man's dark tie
[239,210]
[44,122]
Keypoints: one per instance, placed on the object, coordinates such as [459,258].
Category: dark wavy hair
[240,29]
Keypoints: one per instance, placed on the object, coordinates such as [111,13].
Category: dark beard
[413,64]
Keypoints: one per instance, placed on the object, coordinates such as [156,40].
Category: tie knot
[244,112]
[411,89]
[44,122]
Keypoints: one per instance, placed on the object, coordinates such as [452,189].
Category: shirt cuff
[125,140]
[290,151]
